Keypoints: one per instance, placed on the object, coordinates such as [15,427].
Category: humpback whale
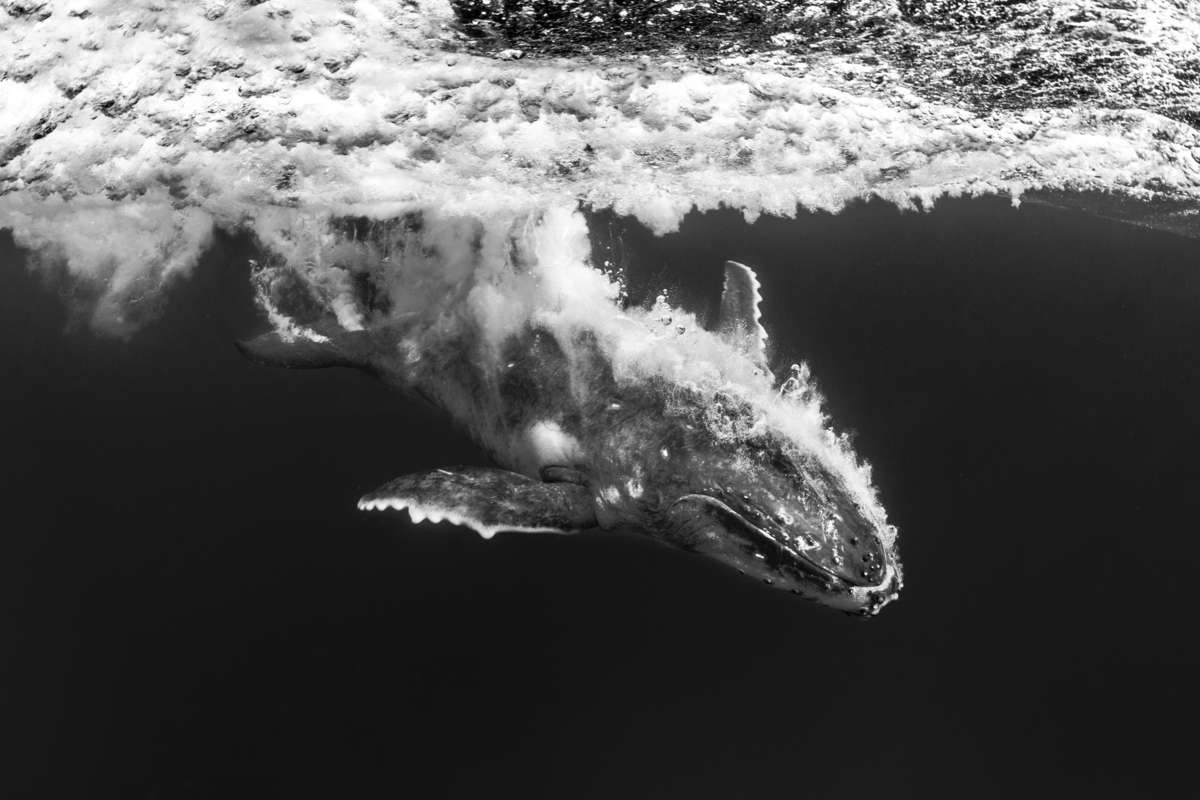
[578,446]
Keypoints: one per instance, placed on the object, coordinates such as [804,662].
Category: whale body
[578,443]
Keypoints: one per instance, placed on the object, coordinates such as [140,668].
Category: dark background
[193,608]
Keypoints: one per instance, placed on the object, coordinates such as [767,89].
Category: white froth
[146,123]
[547,444]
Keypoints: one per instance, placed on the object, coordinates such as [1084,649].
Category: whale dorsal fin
[488,500]
[739,317]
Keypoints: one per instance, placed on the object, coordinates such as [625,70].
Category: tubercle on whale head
[769,508]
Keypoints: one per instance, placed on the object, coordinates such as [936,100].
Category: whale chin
[711,526]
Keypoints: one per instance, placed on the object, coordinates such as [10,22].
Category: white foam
[251,118]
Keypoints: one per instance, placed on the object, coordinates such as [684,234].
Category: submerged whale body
[578,444]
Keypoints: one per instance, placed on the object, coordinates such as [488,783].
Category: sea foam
[128,131]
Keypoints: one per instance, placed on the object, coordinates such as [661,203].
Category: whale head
[784,516]
[746,473]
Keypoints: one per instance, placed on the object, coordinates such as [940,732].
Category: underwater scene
[599,399]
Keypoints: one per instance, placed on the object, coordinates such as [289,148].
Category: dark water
[193,608]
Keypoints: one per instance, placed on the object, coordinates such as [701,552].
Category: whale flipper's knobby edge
[487,500]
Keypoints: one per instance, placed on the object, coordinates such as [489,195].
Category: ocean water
[194,607]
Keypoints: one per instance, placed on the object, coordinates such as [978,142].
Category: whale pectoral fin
[488,500]
[739,318]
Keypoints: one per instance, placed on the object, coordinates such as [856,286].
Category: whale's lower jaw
[866,601]
[708,525]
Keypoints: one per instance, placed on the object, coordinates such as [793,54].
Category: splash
[128,131]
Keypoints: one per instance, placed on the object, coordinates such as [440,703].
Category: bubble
[796,386]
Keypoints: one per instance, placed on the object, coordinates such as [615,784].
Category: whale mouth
[775,549]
